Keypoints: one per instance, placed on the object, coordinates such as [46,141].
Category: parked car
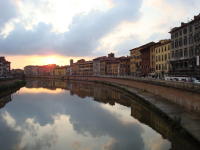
[195,81]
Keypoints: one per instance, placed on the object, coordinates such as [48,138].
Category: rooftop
[185,24]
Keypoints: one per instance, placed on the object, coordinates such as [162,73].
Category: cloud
[8,11]
[68,120]
[83,36]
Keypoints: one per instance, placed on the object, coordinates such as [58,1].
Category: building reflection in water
[111,95]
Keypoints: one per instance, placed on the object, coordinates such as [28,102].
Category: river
[74,115]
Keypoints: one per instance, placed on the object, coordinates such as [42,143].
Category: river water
[74,115]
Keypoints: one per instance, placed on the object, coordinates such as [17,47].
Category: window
[176,43]
[191,39]
[173,54]
[185,40]
[191,53]
[168,47]
[190,28]
[176,53]
[180,42]
[185,31]
[165,57]
[180,32]
[185,52]
[172,36]
[176,34]
[180,53]
[172,44]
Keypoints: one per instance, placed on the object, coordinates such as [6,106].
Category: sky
[39,32]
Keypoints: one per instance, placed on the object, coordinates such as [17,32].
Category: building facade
[4,67]
[97,65]
[140,63]
[185,50]
[135,62]
[60,71]
[81,68]
[145,58]
[113,67]
[162,57]
[124,66]
[47,70]
[104,70]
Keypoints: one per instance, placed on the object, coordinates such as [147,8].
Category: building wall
[47,70]
[135,62]
[113,67]
[124,68]
[186,48]
[96,67]
[153,59]
[60,71]
[162,57]
[145,63]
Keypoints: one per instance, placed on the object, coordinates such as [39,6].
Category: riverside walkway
[179,105]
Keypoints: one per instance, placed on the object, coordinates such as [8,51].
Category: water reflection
[89,117]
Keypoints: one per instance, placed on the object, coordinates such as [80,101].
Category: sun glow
[51,60]
[22,61]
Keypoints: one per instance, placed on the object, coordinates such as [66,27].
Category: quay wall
[188,99]
[186,95]
[187,86]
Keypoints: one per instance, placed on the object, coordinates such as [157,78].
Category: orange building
[135,62]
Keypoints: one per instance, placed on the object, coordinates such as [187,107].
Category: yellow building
[162,56]
[135,61]
[113,67]
[60,71]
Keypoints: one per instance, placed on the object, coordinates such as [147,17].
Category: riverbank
[186,86]
[9,86]
[180,107]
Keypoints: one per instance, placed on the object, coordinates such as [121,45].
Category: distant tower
[71,62]
[111,55]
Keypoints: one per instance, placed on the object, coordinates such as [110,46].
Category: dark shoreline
[9,88]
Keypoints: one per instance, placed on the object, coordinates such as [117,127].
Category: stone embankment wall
[182,93]
[187,86]
[186,98]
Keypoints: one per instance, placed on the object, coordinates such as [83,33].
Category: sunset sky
[40,32]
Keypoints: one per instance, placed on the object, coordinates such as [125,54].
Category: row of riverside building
[106,65]
[178,56]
